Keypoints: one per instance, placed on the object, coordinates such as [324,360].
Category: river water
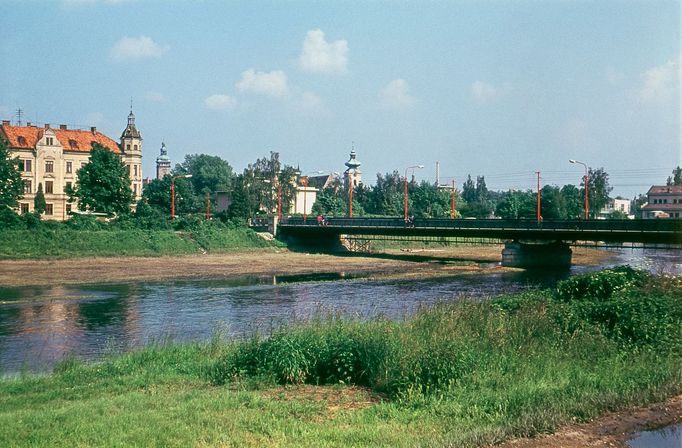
[39,326]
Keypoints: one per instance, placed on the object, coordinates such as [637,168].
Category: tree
[39,201]
[573,202]
[598,191]
[676,178]
[517,205]
[386,198]
[157,194]
[103,184]
[552,204]
[469,190]
[11,185]
[209,173]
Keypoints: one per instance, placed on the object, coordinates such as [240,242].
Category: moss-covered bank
[63,242]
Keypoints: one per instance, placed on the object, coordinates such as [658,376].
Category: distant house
[664,201]
[615,205]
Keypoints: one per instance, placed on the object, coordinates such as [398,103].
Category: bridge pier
[540,255]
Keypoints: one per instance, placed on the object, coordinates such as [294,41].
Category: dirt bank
[611,430]
[259,262]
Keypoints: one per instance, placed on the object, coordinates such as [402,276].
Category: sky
[495,88]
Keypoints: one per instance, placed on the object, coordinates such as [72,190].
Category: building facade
[50,157]
[663,201]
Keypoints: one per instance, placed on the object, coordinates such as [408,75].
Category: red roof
[665,189]
[663,207]
[71,139]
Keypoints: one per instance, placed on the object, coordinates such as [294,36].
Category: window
[67,186]
[135,147]
[24,208]
[128,147]
[27,187]
[49,141]
[73,144]
[83,164]
[49,209]
[135,167]
[22,141]
[69,167]
[49,166]
[135,189]
[128,167]
[27,166]
[68,209]
[49,187]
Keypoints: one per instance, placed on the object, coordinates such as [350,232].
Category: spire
[353,163]
[131,130]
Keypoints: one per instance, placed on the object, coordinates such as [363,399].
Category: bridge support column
[541,255]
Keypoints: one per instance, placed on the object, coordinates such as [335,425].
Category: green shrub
[600,285]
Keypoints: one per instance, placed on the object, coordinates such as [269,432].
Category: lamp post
[185,176]
[586,185]
[538,208]
[405,193]
[452,210]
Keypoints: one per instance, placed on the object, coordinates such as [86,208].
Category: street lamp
[185,176]
[586,184]
[405,195]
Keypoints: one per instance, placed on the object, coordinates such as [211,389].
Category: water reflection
[669,437]
[41,325]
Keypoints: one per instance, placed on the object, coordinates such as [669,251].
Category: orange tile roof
[71,139]
[664,189]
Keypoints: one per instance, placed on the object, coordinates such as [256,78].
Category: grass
[65,242]
[457,374]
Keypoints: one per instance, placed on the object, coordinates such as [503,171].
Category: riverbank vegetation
[462,373]
[84,236]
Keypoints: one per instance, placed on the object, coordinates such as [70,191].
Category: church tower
[352,175]
[163,163]
[131,151]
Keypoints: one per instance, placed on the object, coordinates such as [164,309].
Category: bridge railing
[612,225]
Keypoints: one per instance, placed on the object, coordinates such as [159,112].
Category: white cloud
[155,97]
[483,92]
[130,48]
[220,102]
[661,83]
[320,56]
[273,83]
[395,95]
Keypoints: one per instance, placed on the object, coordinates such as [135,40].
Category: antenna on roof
[131,104]
[20,113]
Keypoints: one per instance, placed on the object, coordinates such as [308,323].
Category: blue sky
[499,88]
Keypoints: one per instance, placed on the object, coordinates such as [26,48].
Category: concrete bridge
[530,244]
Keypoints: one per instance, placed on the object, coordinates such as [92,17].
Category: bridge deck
[657,231]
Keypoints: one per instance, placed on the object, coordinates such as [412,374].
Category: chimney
[62,126]
[47,125]
[5,122]
[93,129]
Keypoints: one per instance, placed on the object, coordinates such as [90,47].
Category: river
[39,326]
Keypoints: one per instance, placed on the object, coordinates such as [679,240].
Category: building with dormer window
[51,157]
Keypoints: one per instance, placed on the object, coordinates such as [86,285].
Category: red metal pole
[173,198]
[405,197]
[538,212]
[586,188]
[350,200]
[452,212]
[305,194]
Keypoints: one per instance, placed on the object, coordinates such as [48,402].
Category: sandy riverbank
[434,262]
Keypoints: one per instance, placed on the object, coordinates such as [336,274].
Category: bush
[600,285]
[10,220]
